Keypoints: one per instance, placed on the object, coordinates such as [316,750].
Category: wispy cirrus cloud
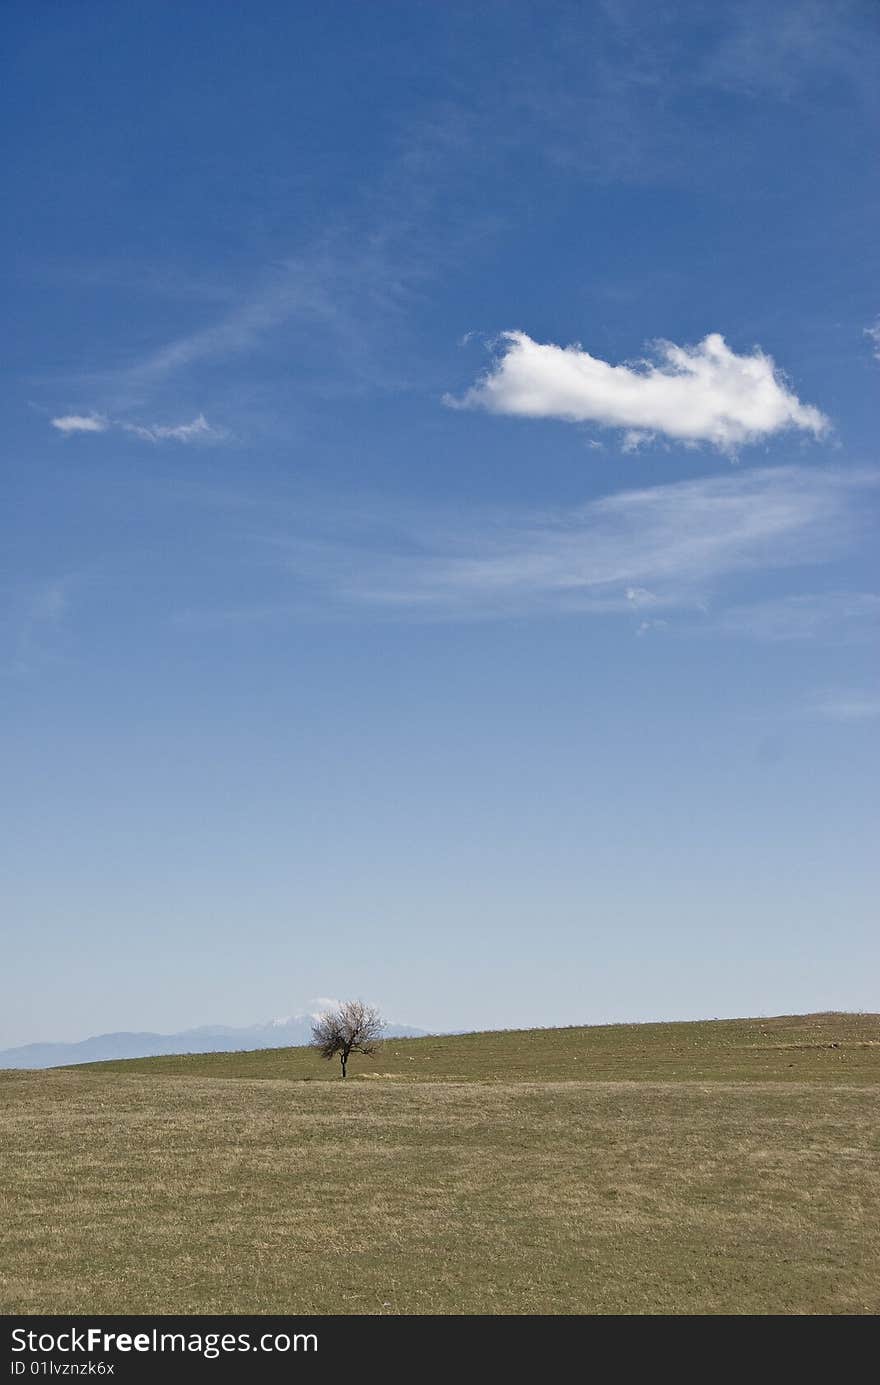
[874,334]
[598,88]
[794,46]
[840,616]
[331,303]
[692,394]
[286,293]
[34,617]
[647,553]
[198,430]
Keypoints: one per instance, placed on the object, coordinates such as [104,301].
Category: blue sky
[440,507]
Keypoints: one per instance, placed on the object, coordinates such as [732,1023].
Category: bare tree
[353,1028]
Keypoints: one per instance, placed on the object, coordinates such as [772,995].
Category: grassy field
[784,1049]
[729,1167]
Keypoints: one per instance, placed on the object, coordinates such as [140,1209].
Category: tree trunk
[343,1058]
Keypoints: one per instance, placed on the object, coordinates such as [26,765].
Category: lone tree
[353,1028]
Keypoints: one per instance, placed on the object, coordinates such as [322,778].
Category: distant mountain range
[211,1038]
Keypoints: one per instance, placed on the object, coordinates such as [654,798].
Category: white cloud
[200,430]
[322,1004]
[633,439]
[874,334]
[694,394]
[80,423]
[639,597]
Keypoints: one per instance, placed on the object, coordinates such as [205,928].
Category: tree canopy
[351,1028]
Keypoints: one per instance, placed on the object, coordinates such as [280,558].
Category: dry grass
[140,1192]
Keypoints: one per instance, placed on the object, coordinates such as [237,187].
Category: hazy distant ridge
[207,1039]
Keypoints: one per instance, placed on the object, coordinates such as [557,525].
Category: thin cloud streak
[199,430]
[843,617]
[343,290]
[644,552]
